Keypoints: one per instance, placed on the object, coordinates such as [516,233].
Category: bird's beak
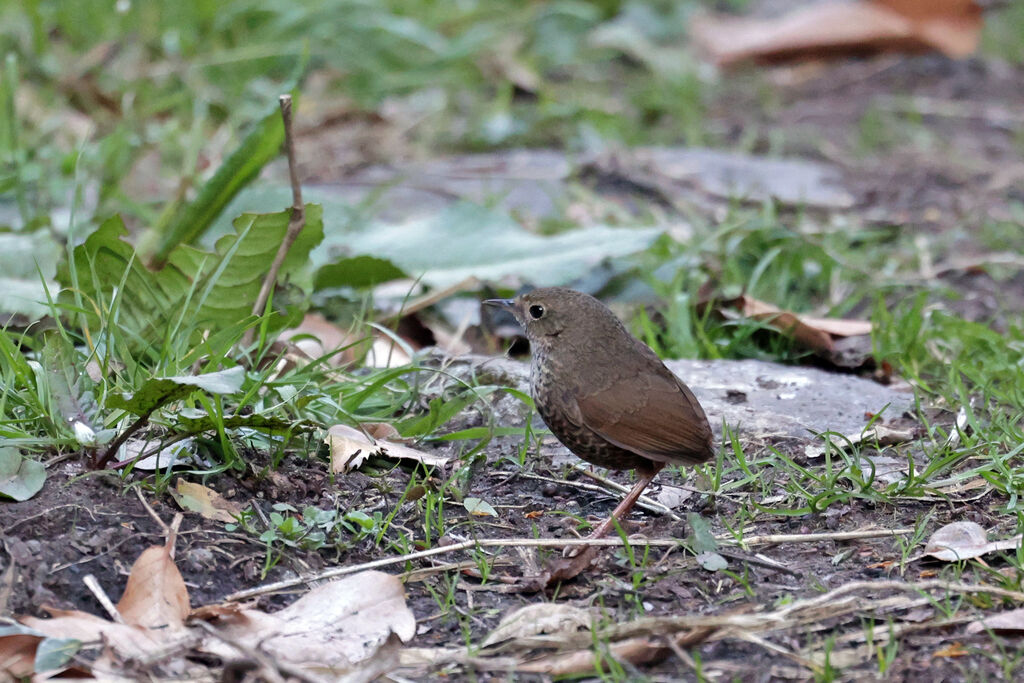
[507,304]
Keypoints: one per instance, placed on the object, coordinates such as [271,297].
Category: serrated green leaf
[158,392]
[227,292]
[20,478]
[70,386]
[210,291]
[237,171]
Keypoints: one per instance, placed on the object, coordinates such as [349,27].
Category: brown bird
[605,394]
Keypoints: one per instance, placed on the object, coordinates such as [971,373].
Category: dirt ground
[968,168]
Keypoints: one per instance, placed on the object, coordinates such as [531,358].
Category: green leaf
[711,561]
[237,171]
[204,292]
[70,386]
[703,540]
[479,507]
[157,392]
[463,240]
[20,478]
[51,653]
[228,291]
[469,240]
[358,271]
[255,421]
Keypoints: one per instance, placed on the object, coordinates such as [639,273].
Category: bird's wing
[665,424]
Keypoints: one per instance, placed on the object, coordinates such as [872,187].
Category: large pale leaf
[24,257]
[20,478]
[463,240]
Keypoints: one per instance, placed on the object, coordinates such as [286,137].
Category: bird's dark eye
[536,311]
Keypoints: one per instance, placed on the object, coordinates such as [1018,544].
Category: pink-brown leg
[570,567]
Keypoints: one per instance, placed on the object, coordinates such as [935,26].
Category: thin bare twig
[552,543]
[101,596]
[152,512]
[295,224]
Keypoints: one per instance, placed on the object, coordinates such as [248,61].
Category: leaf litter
[344,630]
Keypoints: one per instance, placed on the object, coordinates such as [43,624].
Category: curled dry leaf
[545,617]
[964,540]
[350,448]
[831,28]
[813,333]
[343,628]
[207,502]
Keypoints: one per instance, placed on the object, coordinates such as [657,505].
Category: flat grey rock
[761,400]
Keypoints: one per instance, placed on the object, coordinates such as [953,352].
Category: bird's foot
[565,568]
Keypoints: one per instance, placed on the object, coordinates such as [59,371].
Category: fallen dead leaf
[831,28]
[813,333]
[350,448]
[1013,620]
[952,650]
[17,653]
[194,497]
[673,497]
[544,617]
[155,596]
[964,540]
[346,629]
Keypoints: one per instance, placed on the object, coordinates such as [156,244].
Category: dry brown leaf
[153,607]
[641,650]
[964,540]
[544,617]
[1012,620]
[194,497]
[950,26]
[18,655]
[952,650]
[155,596]
[345,629]
[350,448]
[813,333]
[130,642]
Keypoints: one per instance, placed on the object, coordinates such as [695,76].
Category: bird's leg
[569,567]
[644,478]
